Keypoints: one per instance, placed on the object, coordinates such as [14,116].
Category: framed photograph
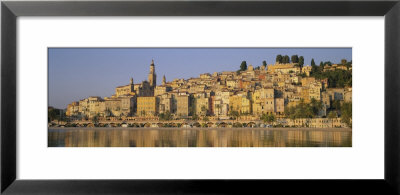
[193,97]
[282,104]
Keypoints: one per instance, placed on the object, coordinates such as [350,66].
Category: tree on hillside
[314,67]
[344,62]
[336,78]
[349,64]
[304,110]
[295,59]
[336,105]
[264,63]
[286,59]
[316,106]
[312,62]
[301,62]
[329,63]
[243,66]
[279,58]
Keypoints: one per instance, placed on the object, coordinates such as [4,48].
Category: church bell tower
[152,75]
[164,80]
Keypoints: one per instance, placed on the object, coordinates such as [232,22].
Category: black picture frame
[11,10]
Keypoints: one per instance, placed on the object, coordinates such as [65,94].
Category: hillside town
[286,93]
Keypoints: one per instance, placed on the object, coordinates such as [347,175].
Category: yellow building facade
[202,105]
[147,106]
[183,104]
[240,103]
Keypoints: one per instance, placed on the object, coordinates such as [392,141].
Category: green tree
[315,106]
[56,114]
[336,105]
[301,61]
[268,118]
[286,59]
[336,78]
[304,110]
[344,62]
[166,116]
[234,114]
[321,64]
[346,113]
[195,117]
[295,59]
[243,66]
[279,59]
[95,119]
[303,75]
[314,69]
[289,110]
[312,62]
[52,114]
[332,115]
[348,64]
[329,63]
[264,63]
[161,116]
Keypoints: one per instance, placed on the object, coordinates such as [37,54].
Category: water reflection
[122,137]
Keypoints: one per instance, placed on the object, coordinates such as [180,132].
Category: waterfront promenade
[210,123]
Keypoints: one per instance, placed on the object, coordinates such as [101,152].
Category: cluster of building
[251,93]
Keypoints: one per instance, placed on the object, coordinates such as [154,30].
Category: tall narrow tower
[164,80]
[152,75]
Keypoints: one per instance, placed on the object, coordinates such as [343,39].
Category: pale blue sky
[77,73]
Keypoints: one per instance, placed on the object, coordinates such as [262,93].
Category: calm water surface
[140,137]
